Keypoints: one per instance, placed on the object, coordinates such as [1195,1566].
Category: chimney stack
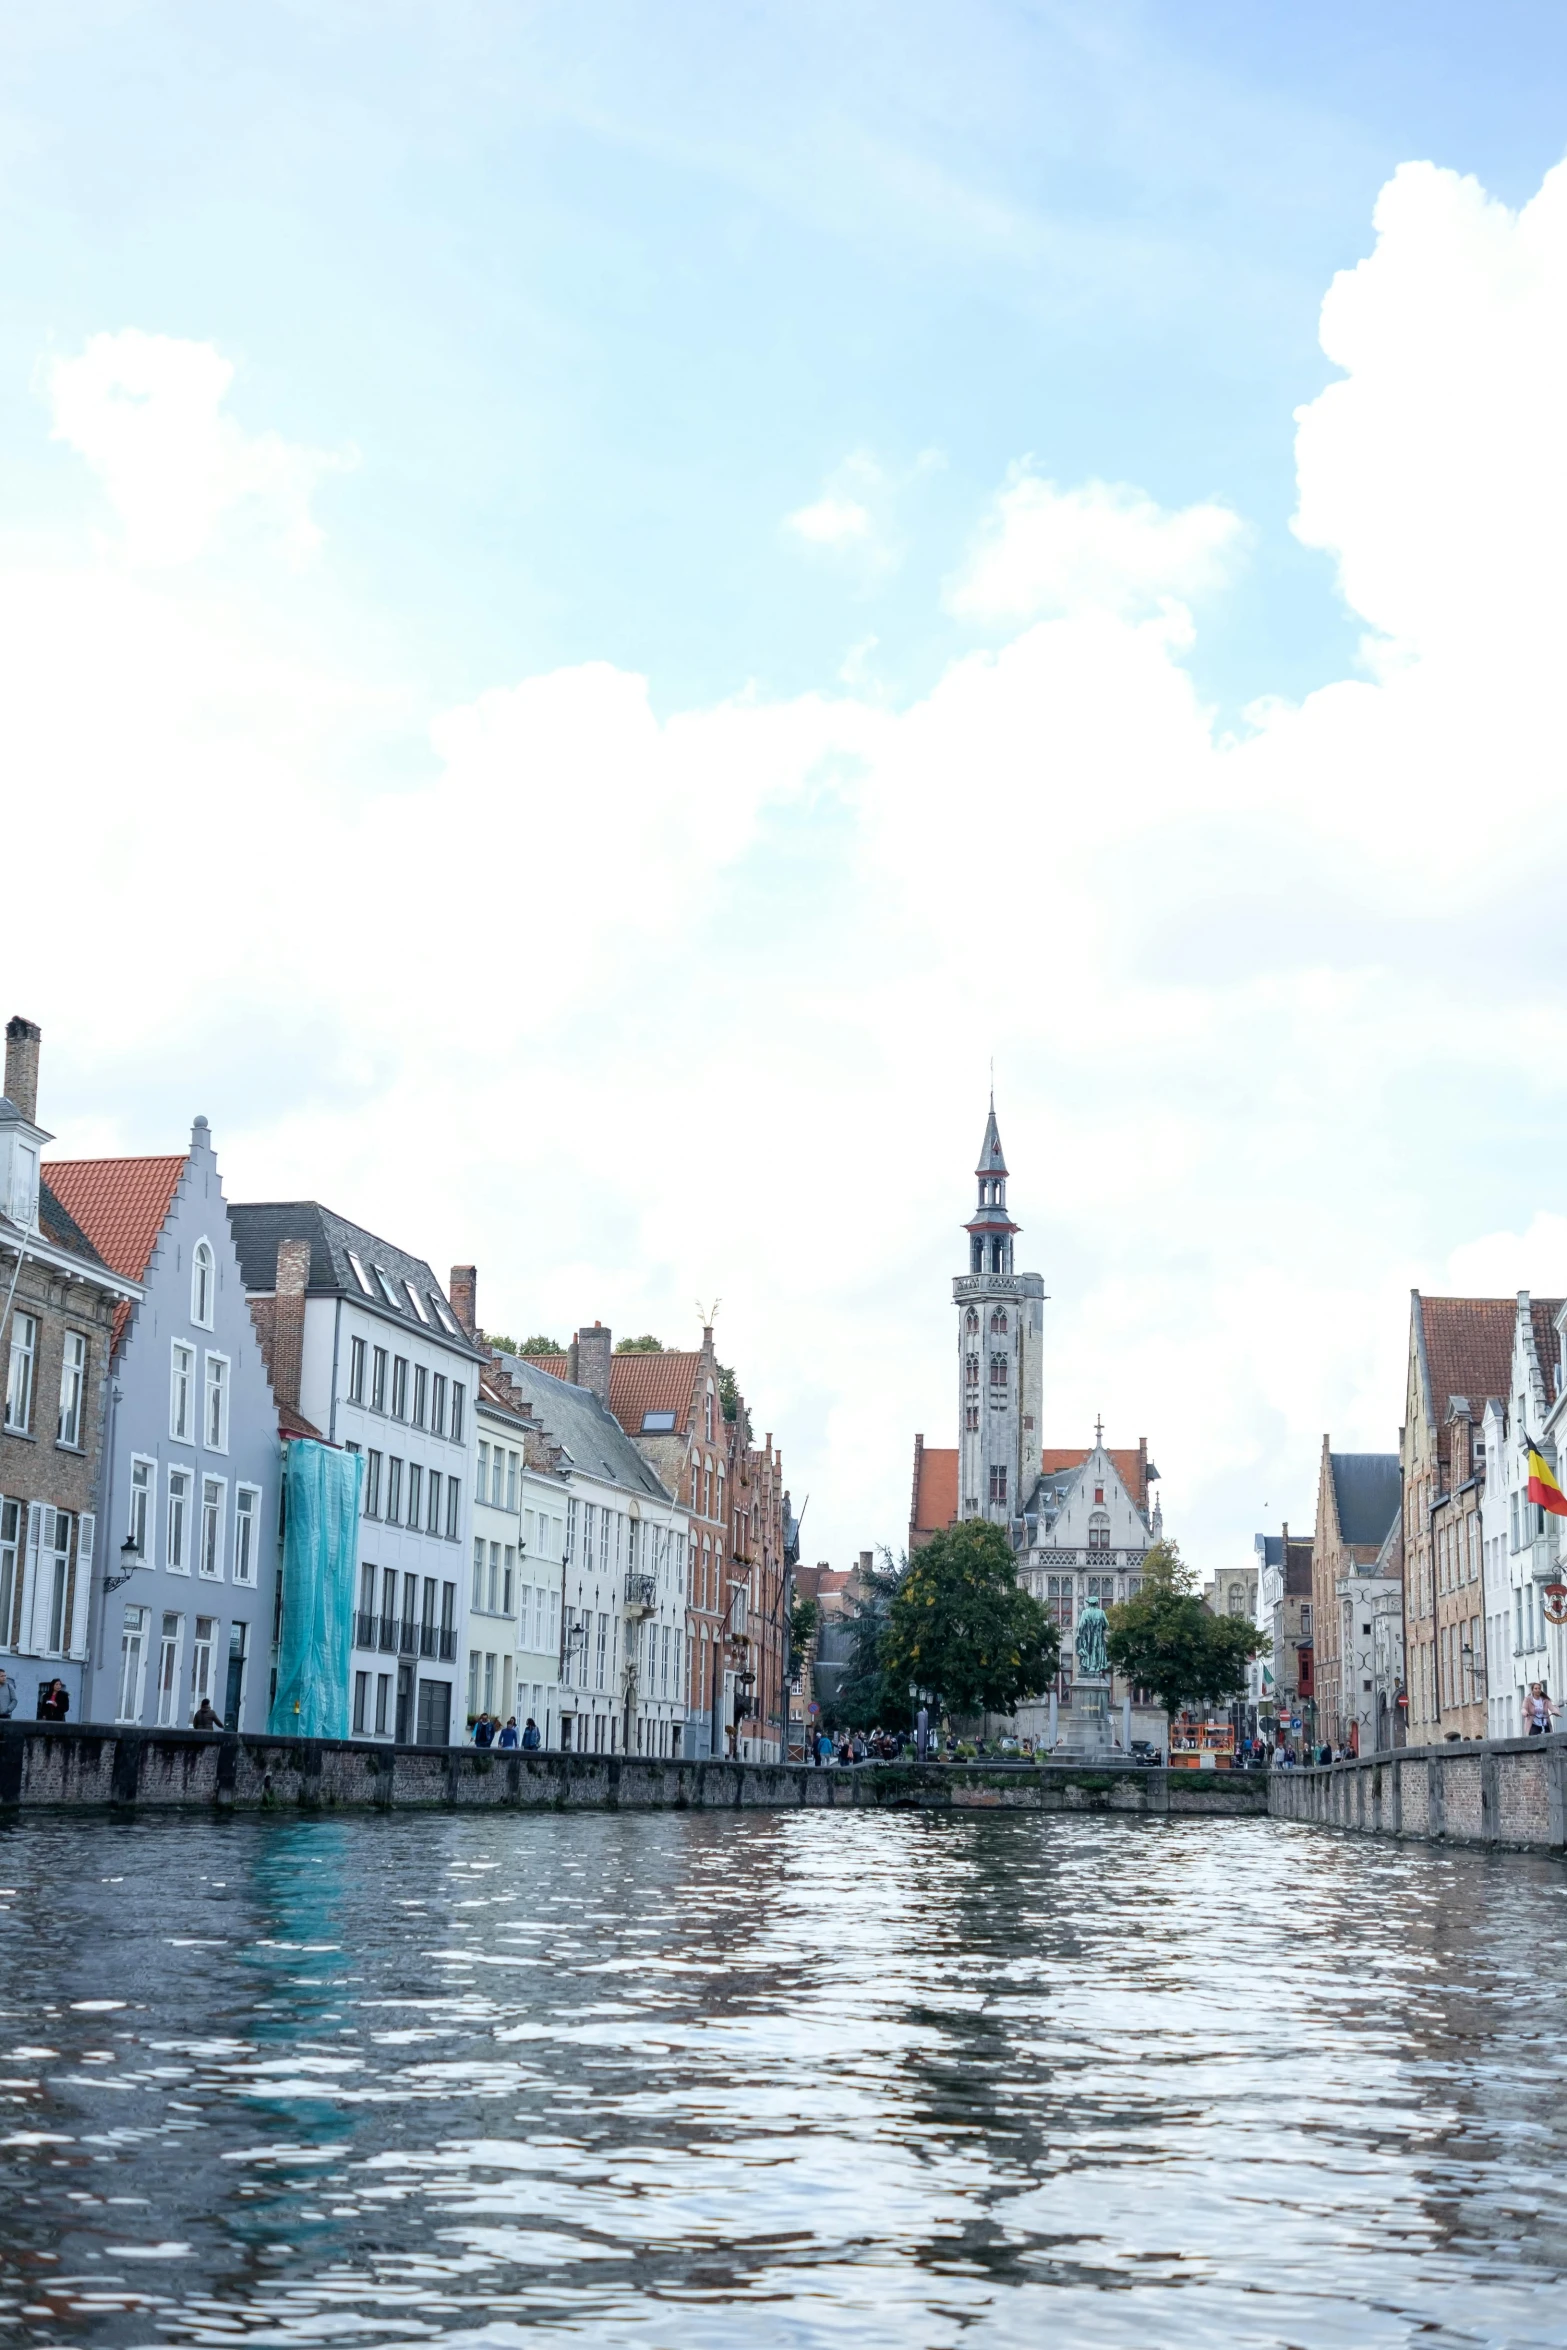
[463,1290]
[22,1039]
[593,1351]
[288,1321]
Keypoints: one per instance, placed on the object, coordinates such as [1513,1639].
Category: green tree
[729,1399]
[804,1617]
[961,1628]
[857,1694]
[500,1345]
[539,1346]
[1167,1641]
[647,1344]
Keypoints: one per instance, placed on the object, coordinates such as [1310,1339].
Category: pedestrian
[1538,1710]
[530,1736]
[7,1695]
[483,1731]
[508,1736]
[204,1718]
[53,1701]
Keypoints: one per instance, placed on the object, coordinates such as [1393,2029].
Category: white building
[362,1342]
[623,1660]
[515,1599]
[1523,1547]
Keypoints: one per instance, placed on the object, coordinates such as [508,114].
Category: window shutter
[82,1593]
[35,1529]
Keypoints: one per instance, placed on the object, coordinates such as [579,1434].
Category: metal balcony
[364,1630]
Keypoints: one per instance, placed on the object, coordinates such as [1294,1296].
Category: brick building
[59,1303]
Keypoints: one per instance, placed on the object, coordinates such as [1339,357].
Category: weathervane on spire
[1099,1429]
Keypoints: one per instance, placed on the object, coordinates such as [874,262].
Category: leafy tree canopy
[961,1627]
[538,1346]
[647,1344]
[858,1695]
[1166,1640]
[729,1398]
[804,1617]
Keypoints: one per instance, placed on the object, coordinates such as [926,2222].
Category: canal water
[683,2081]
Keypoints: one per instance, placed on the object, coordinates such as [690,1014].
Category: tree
[539,1346]
[1167,1641]
[729,1400]
[804,1617]
[855,1694]
[647,1344]
[961,1628]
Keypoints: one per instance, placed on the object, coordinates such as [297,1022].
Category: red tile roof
[1128,1466]
[555,1364]
[120,1204]
[936,1502]
[1468,1349]
[641,1383]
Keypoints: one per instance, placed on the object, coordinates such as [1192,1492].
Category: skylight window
[360,1275]
[387,1291]
[416,1301]
[446,1319]
[658,1423]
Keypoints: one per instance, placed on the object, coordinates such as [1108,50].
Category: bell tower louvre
[1000,1353]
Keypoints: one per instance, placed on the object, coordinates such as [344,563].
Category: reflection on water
[692,2080]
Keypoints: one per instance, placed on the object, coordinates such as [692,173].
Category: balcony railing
[364,1630]
[641,1595]
[387,1642]
[448,1646]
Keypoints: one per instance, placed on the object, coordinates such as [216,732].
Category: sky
[601,607]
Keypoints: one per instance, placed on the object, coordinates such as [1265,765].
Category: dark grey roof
[258,1226]
[590,1432]
[58,1225]
[1368,1493]
[1269,1549]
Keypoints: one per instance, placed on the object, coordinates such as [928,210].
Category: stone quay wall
[46,1766]
[1509,1793]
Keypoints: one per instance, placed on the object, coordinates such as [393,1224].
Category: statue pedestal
[1084,1726]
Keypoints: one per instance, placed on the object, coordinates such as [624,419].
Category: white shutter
[76,1645]
[35,1524]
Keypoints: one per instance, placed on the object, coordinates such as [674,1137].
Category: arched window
[203,1273]
[971,1320]
[998,1323]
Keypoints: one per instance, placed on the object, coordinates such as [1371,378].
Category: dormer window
[445,1318]
[360,1275]
[415,1300]
[203,1278]
[387,1291]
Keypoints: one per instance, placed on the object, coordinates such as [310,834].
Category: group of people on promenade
[490,1730]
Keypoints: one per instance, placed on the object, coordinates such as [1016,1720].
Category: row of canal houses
[257,1459]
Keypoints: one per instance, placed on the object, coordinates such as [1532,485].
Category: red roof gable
[936,1502]
[1128,1466]
[120,1204]
[641,1383]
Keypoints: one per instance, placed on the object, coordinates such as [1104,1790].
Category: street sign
[1294,1721]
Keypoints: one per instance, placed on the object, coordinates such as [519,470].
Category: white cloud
[1103,546]
[147,413]
[832,522]
[634,1006]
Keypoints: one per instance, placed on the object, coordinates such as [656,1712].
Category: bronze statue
[1093,1662]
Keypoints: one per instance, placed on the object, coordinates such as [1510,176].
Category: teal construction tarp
[320,1538]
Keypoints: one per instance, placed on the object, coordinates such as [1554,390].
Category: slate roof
[120,1204]
[574,1417]
[258,1226]
[60,1228]
[1367,1493]
[936,1503]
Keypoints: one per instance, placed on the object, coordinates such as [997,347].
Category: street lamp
[130,1560]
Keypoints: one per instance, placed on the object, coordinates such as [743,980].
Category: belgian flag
[1543,1487]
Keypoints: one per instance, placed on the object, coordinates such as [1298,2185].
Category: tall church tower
[1000,1354]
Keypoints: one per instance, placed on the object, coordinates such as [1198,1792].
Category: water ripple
[824,2078]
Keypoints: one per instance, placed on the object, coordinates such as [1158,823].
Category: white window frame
[141,1516]
[182,1390]
[221,1388]
[21,1374]
[180,1486]
[360,1275]
[203,1259]
[133,1629]
[247,1533]
[203,1648]
[214,1512]
[358,1367]
[73,1380]
[171,1649]
[11,1565]
[416,1302]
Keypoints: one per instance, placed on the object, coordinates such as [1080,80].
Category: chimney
[288,1320]
[463,1290]
[22,1039]
[593,1361]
